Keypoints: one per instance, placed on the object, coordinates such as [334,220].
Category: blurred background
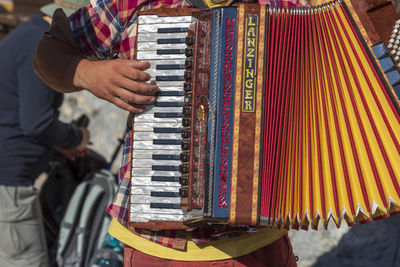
[374,244]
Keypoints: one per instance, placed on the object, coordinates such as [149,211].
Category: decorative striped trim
[235,138]
[257,135]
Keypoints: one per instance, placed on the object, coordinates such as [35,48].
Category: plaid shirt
[106,29]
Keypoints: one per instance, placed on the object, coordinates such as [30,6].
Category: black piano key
[170,67]
[165,205]
[170,78]
[393,77]
[170,51]
[165,168]
[171,41]
[168,115]
[164,194]
[166,157]
[167,130]
[387,64]
[166,178]
[380,50]
[171,30]
[171,93]
[167,142]
[168,104]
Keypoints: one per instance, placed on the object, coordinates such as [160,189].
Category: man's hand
[85,140]
[119,81]
[71,153]
[78,151]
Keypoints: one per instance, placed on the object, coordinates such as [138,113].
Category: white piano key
[151,19]
[150,145]
[154,46]
[154,72]
[153,28]
[148,154]
[145,217]
[155,62]
[143,136]
[149,126]
[146,190]
[149,37]
[143,181]
[145,208]
[150,118]
[147,55]
[165,84]
[149,172]
[140,199]
[143,163]
[170,88]
[152,109]
[170,98]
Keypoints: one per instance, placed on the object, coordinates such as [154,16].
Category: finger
[70,157]
[136,74]
[124,105]
[139,88]
[133,98]
[141,65]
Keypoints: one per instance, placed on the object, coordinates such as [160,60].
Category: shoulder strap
[70,220]
[197,4]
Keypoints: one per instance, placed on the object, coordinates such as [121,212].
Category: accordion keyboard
[156,162]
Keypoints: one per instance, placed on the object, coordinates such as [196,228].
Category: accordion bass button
[184,156]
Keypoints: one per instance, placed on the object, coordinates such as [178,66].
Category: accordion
[267,116]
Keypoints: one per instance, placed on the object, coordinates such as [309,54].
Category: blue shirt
[29,125]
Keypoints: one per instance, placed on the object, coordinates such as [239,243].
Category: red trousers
[276,254]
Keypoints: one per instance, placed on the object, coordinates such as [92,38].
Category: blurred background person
[29,133]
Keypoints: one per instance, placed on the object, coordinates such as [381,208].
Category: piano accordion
[267,116]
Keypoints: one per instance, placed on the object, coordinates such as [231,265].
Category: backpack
[83,239]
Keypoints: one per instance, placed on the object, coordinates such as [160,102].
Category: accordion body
[277,117]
